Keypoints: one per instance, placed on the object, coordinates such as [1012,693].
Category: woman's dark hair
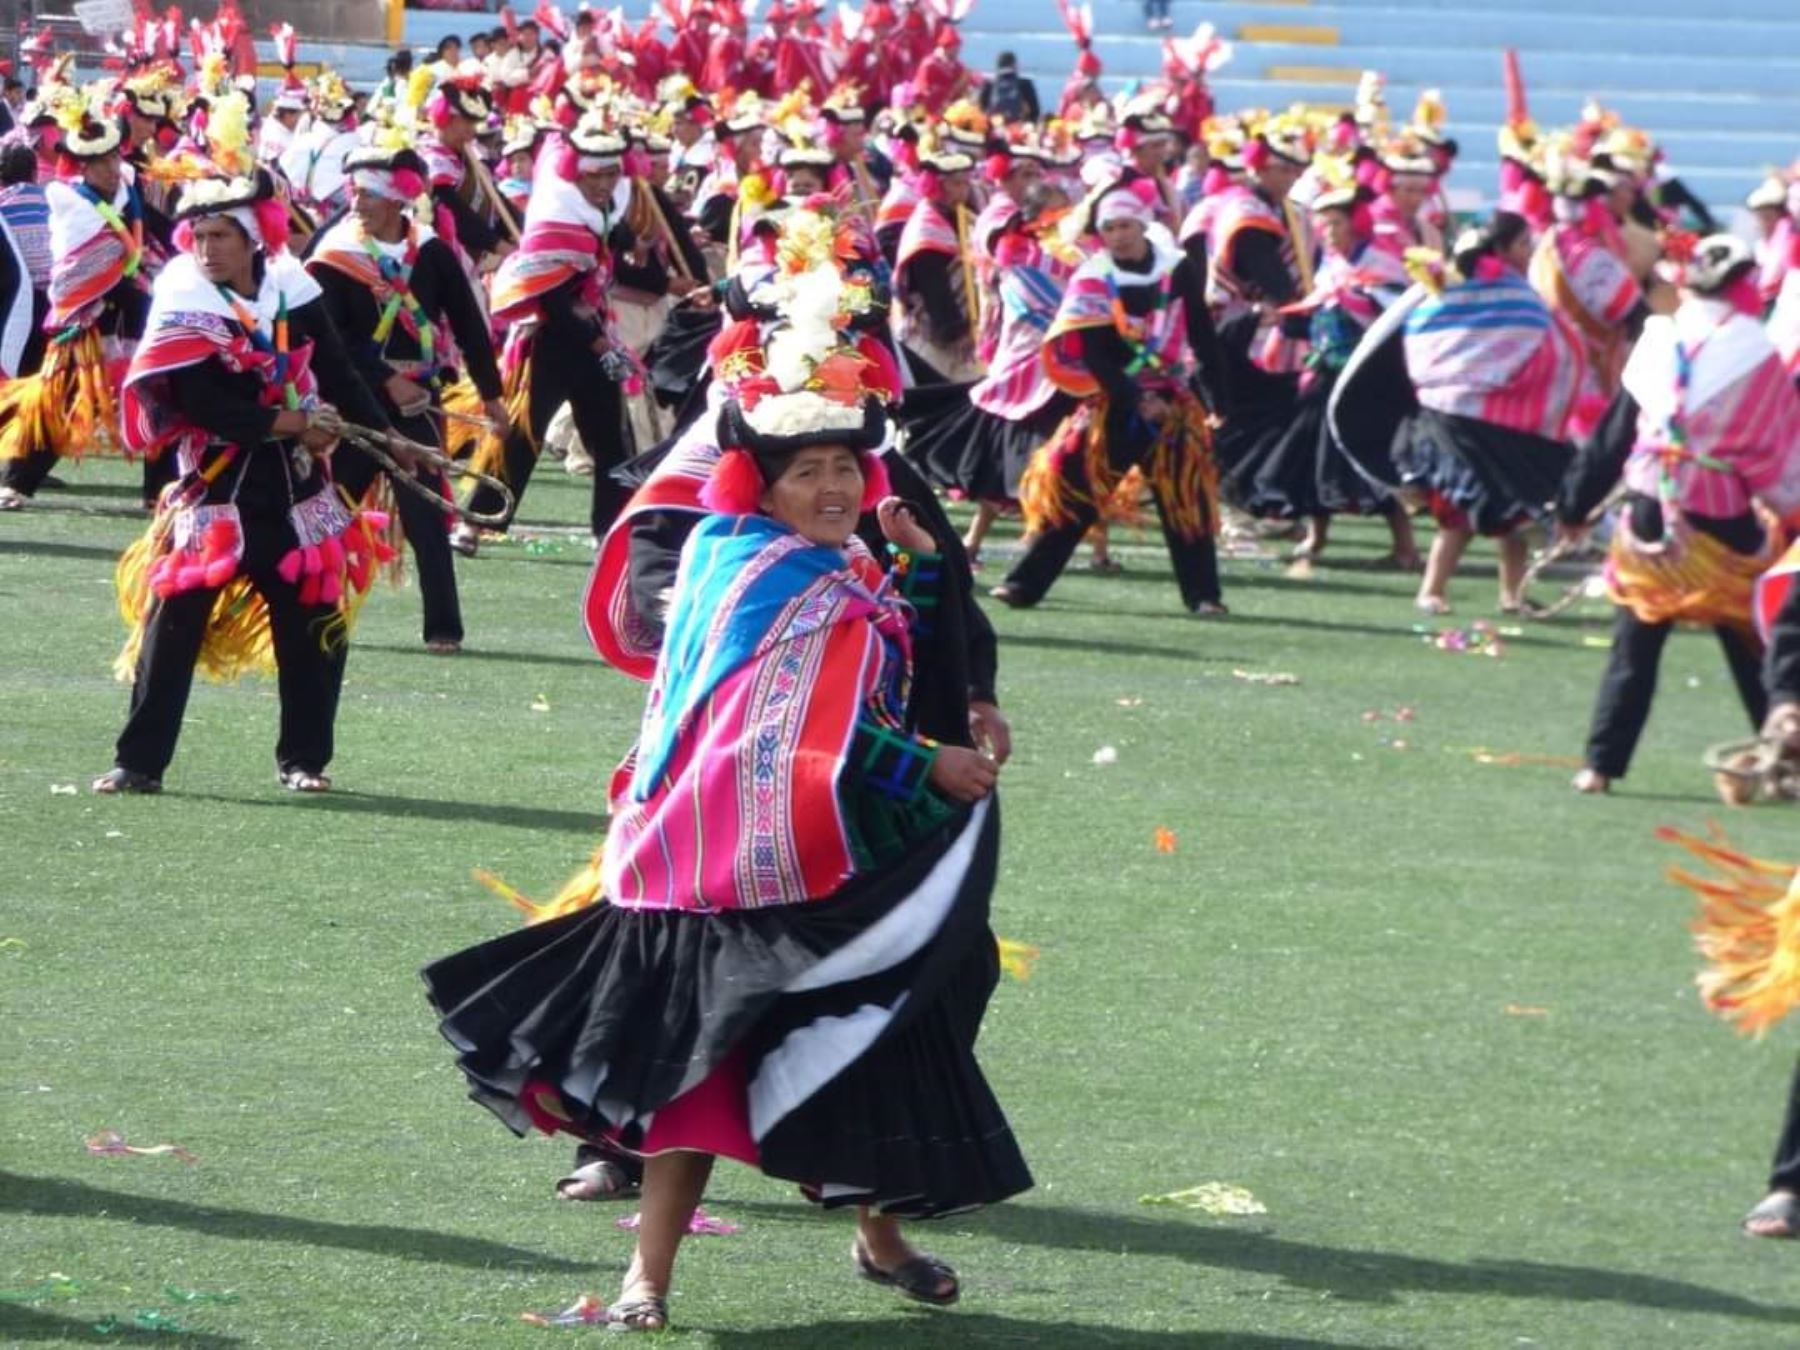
[18,164]
[1040,197]
[1006,61]
[1503,230]
[448,40]
[400,63]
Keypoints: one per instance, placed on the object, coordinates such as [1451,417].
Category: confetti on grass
[1214,1197]
[1520,759]
[1165,839]
[1274,677]
[111,1144]
[1525,1010]
[146,1319]
[586,1311]
[52,1287]
[176,1294]
[701,1224]
[1017,959]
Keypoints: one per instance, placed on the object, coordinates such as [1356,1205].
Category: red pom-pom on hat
[875,481]
[735,487]
[882,377]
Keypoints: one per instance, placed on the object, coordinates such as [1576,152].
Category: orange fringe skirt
[69,407]
[1703,582]
[1179,469]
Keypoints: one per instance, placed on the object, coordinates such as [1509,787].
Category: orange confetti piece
[1165,839]
[111,1144]
[1518,759]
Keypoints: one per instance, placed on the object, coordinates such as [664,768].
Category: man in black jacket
[397,293]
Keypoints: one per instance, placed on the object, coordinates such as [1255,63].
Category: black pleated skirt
[851,1021]
[970,453]
[1297,469]
[1476,475]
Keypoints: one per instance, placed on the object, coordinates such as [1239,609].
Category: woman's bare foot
[1432,604]
[1592,782]
[1312,543]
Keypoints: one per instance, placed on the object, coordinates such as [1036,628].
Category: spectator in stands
[1009,94]
[393,84]
[480,45]
[583,50]
[1156,16]
[448,55]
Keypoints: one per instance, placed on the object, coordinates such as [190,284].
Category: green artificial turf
[1437,1015]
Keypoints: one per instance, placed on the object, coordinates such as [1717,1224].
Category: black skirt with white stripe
[853,1020]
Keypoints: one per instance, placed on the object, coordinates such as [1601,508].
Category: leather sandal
[598,1180]
[647,1313]
[920,1279]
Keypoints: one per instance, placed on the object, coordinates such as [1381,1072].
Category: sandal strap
[633,1313]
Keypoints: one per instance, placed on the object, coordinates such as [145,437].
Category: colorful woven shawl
[731,799]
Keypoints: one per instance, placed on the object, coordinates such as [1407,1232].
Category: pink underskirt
[713,1116]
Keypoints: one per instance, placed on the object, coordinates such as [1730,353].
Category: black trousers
[1196,561]
[309,675]
[1784,1173]
[565,372]
[426,527]
[26,474]
[1629,686]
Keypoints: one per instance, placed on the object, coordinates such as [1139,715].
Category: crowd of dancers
[779,293]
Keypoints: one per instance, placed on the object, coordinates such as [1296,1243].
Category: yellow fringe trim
[382,496]
[578,893]
[1017,959]
[462,400]
[1748,930]
[489,455]
[1708,584]
[238,639]
[67,407]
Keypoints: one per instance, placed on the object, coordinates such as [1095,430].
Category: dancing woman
[1494,372]
[797,986]
[1298,471]
[982,448]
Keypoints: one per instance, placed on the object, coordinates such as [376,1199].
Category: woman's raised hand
[901,528]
